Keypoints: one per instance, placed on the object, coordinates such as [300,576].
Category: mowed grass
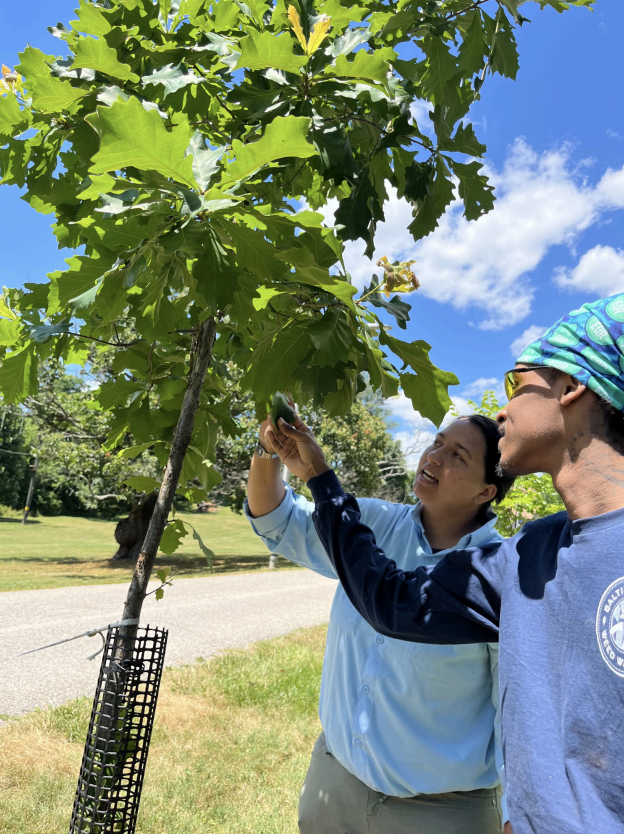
[230,748]
[55,552]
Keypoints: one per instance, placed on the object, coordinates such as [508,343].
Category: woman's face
[451,471]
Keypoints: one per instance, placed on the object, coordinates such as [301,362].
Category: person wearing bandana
[552,595]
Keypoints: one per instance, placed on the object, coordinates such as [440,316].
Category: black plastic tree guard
[113,764]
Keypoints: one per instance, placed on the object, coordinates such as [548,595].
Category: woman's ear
[487,494]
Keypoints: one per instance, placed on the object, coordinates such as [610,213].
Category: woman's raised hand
[297,448]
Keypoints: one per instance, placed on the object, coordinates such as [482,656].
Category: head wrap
[588,344]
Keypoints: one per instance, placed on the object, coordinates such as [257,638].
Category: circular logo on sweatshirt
[610,626]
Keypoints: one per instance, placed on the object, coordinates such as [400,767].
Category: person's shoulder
[546,525]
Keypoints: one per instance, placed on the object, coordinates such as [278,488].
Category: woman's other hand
[297,448]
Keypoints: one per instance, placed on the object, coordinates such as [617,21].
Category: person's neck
[444,529]
[591,481]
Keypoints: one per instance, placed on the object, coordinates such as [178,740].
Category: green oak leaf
[11,116]
[474,189]
[332,338]
[274,360]
[130,135]
[473,48]
[18,375]
[357,211]
[97,55]
[432,206]
[91,20]
[205,162]
[261,50]
[44,332]
[373,67]
[9,332]
[428,388]
[339,403]
[81,277]
[464,141]
[505,56]
[172,78]
[441,67]
[175,531]
[283,137]
[49,94]
[142,483]
[395,306]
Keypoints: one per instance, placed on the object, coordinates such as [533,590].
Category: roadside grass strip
[231,745]
[61,551]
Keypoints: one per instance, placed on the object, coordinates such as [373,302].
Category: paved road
[204,616]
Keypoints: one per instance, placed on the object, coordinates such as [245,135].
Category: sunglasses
[513,379]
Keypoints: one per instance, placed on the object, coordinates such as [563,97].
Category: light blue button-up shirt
[404,718]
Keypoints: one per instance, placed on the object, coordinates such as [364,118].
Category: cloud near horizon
[484,266]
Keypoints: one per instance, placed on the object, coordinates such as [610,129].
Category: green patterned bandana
[588,344]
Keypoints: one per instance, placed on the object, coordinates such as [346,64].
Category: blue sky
[555,141]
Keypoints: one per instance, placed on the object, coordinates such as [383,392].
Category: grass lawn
[55,552]
[231,745]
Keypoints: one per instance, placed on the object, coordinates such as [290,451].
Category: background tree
[77,476]
[14,456]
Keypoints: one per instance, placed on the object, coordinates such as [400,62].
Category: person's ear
[572,390]
[487,494]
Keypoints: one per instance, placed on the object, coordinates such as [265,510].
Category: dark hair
[502,482]
[612,428]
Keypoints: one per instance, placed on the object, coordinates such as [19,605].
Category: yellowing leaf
[318,35]
[293,16]
[399,276]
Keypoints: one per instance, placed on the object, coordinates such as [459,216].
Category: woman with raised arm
[411,736]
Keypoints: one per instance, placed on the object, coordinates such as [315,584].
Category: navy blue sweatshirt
[555,592]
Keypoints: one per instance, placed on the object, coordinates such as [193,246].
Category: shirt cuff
[264,525]
[325,487]
[504,809]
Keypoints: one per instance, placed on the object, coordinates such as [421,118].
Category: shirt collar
[483,535]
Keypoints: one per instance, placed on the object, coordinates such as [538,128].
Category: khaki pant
[333,801]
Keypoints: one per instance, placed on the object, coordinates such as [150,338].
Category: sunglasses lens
[511,384]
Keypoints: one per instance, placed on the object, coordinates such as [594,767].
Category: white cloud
[486,264]
[529,335]
[475,390]
[600,271]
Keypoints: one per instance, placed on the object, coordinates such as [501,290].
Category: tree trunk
[104,745]
[201,353]
[31,489]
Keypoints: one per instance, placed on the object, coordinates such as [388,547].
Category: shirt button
[358,742]
[379,638]
[429,560]
[351,624]
[366,690]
